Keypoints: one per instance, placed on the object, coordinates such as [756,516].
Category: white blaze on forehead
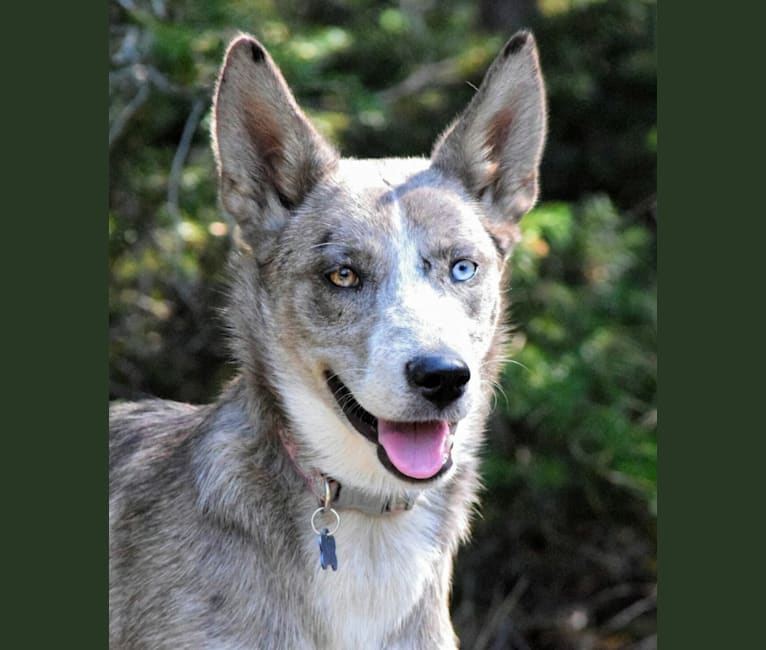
[408,286]
[436,319]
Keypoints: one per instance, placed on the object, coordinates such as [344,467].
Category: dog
[320,501]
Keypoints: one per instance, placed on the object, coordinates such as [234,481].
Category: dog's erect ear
[494,147]
[268,154]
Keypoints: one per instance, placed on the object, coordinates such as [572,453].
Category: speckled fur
[210,542]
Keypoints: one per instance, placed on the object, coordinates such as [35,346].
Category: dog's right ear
[268,154]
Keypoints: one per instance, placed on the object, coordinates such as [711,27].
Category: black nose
[440,378]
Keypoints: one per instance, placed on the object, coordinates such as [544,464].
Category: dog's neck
[345,497]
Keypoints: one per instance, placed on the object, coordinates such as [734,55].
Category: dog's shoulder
[147,426]
[148,442]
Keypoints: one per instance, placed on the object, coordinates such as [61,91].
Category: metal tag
[327,555]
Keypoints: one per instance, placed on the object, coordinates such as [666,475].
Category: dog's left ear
[494,147]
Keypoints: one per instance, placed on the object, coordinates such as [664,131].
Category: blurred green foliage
[565,544]
[582,382]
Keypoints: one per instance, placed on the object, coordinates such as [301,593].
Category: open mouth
[413,451]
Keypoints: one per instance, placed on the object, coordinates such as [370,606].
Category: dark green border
[55,280]
[710,291]
[54,241]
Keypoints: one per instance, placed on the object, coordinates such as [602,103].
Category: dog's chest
[384,567]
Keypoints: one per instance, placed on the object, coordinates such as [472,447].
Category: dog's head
[370,290]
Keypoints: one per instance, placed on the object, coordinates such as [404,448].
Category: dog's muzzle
[413,451]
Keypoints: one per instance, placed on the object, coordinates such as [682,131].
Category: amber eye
[344,277]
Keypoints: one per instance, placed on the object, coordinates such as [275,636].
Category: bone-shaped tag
[327,555]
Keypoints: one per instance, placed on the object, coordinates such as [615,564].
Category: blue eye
[463,270]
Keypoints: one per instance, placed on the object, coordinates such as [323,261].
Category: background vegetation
[564,551]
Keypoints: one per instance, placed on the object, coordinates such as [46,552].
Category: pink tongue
[417,449]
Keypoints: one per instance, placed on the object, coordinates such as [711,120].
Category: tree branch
[120,122]
[424,76]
